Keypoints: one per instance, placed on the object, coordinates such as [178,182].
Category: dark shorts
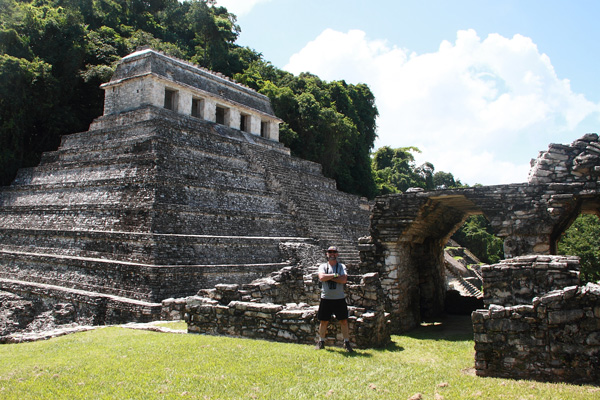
[337,307]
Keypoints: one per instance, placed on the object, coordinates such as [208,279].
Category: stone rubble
[271,309]
[555,336]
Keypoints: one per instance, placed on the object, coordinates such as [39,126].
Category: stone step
[165,219]
[159,249]
[132,168]
[116,191]
[102,308]
[136,280]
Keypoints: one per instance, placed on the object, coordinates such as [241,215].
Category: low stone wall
[87,308]
[283,307]
[557,338]
[563,163]
[518,280]
[540,323]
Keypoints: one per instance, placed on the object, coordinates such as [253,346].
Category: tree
[395,170]
[26,98]
[56,53]
[581,239]
[331,123]
[476,234]
[445,180]
[79,42]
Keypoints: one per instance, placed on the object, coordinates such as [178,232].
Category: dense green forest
[54,55]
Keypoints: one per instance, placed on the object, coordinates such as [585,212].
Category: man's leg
[346,335]
[322,333]
[323,329]
[345,329]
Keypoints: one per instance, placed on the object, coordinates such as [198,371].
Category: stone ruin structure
[409,231]
[182,184]
[540,322]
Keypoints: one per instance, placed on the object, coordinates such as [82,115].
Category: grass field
[434,361]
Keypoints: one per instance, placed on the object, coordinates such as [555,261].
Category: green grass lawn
[117,363]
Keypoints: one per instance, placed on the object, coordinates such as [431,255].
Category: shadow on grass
[450,327]
[390,347]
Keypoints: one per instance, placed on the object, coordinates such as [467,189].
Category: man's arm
[340,278]
[323,277]
[343,278]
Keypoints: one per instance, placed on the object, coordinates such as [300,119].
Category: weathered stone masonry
[148,78]
[181,185]
[540,323]
[408,231]
[283,307]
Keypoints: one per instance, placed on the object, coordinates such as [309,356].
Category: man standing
[333,276]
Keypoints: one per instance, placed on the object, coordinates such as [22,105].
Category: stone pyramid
[180,185]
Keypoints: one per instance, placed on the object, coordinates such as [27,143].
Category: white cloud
[239,7]
[480,109]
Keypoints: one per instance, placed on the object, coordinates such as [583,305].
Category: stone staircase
[460,278]
[329,216]
[164,206]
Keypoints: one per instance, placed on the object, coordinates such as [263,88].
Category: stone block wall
[518,280]
[540,323]
[150,78]
[556,338]
[578,162]
[283,307]
[87,308]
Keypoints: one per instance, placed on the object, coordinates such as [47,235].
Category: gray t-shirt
[327,290]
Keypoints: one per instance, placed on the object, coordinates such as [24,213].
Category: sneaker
[320,345]
[348,348]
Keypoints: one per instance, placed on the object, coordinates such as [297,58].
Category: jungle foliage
[395,171]
[54,54]
[581,239]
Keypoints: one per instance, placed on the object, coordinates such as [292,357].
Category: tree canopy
[395,171]
[54,54]
[581,239]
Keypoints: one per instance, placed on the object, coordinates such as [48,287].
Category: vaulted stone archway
[409,230]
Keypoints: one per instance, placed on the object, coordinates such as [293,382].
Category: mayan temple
[181,184]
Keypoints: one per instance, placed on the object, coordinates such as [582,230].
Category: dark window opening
[264,129]
[198,108]
[245,123]
[170,99]
[220,115]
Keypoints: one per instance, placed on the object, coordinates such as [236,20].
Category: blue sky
[479,86]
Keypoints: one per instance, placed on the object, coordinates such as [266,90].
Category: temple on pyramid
[181,184]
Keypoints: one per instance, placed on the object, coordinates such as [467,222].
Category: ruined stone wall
[578,162]
[86,308]
[518,280]
[554,338]
[408,231]
[283,307]
[540,324]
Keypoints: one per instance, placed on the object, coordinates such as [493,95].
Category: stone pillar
[210,110]
[400,283]
[232,118]
[254,122]
[185,102]
[274,131]
[155,94]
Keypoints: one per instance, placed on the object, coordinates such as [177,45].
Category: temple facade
[148,78]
